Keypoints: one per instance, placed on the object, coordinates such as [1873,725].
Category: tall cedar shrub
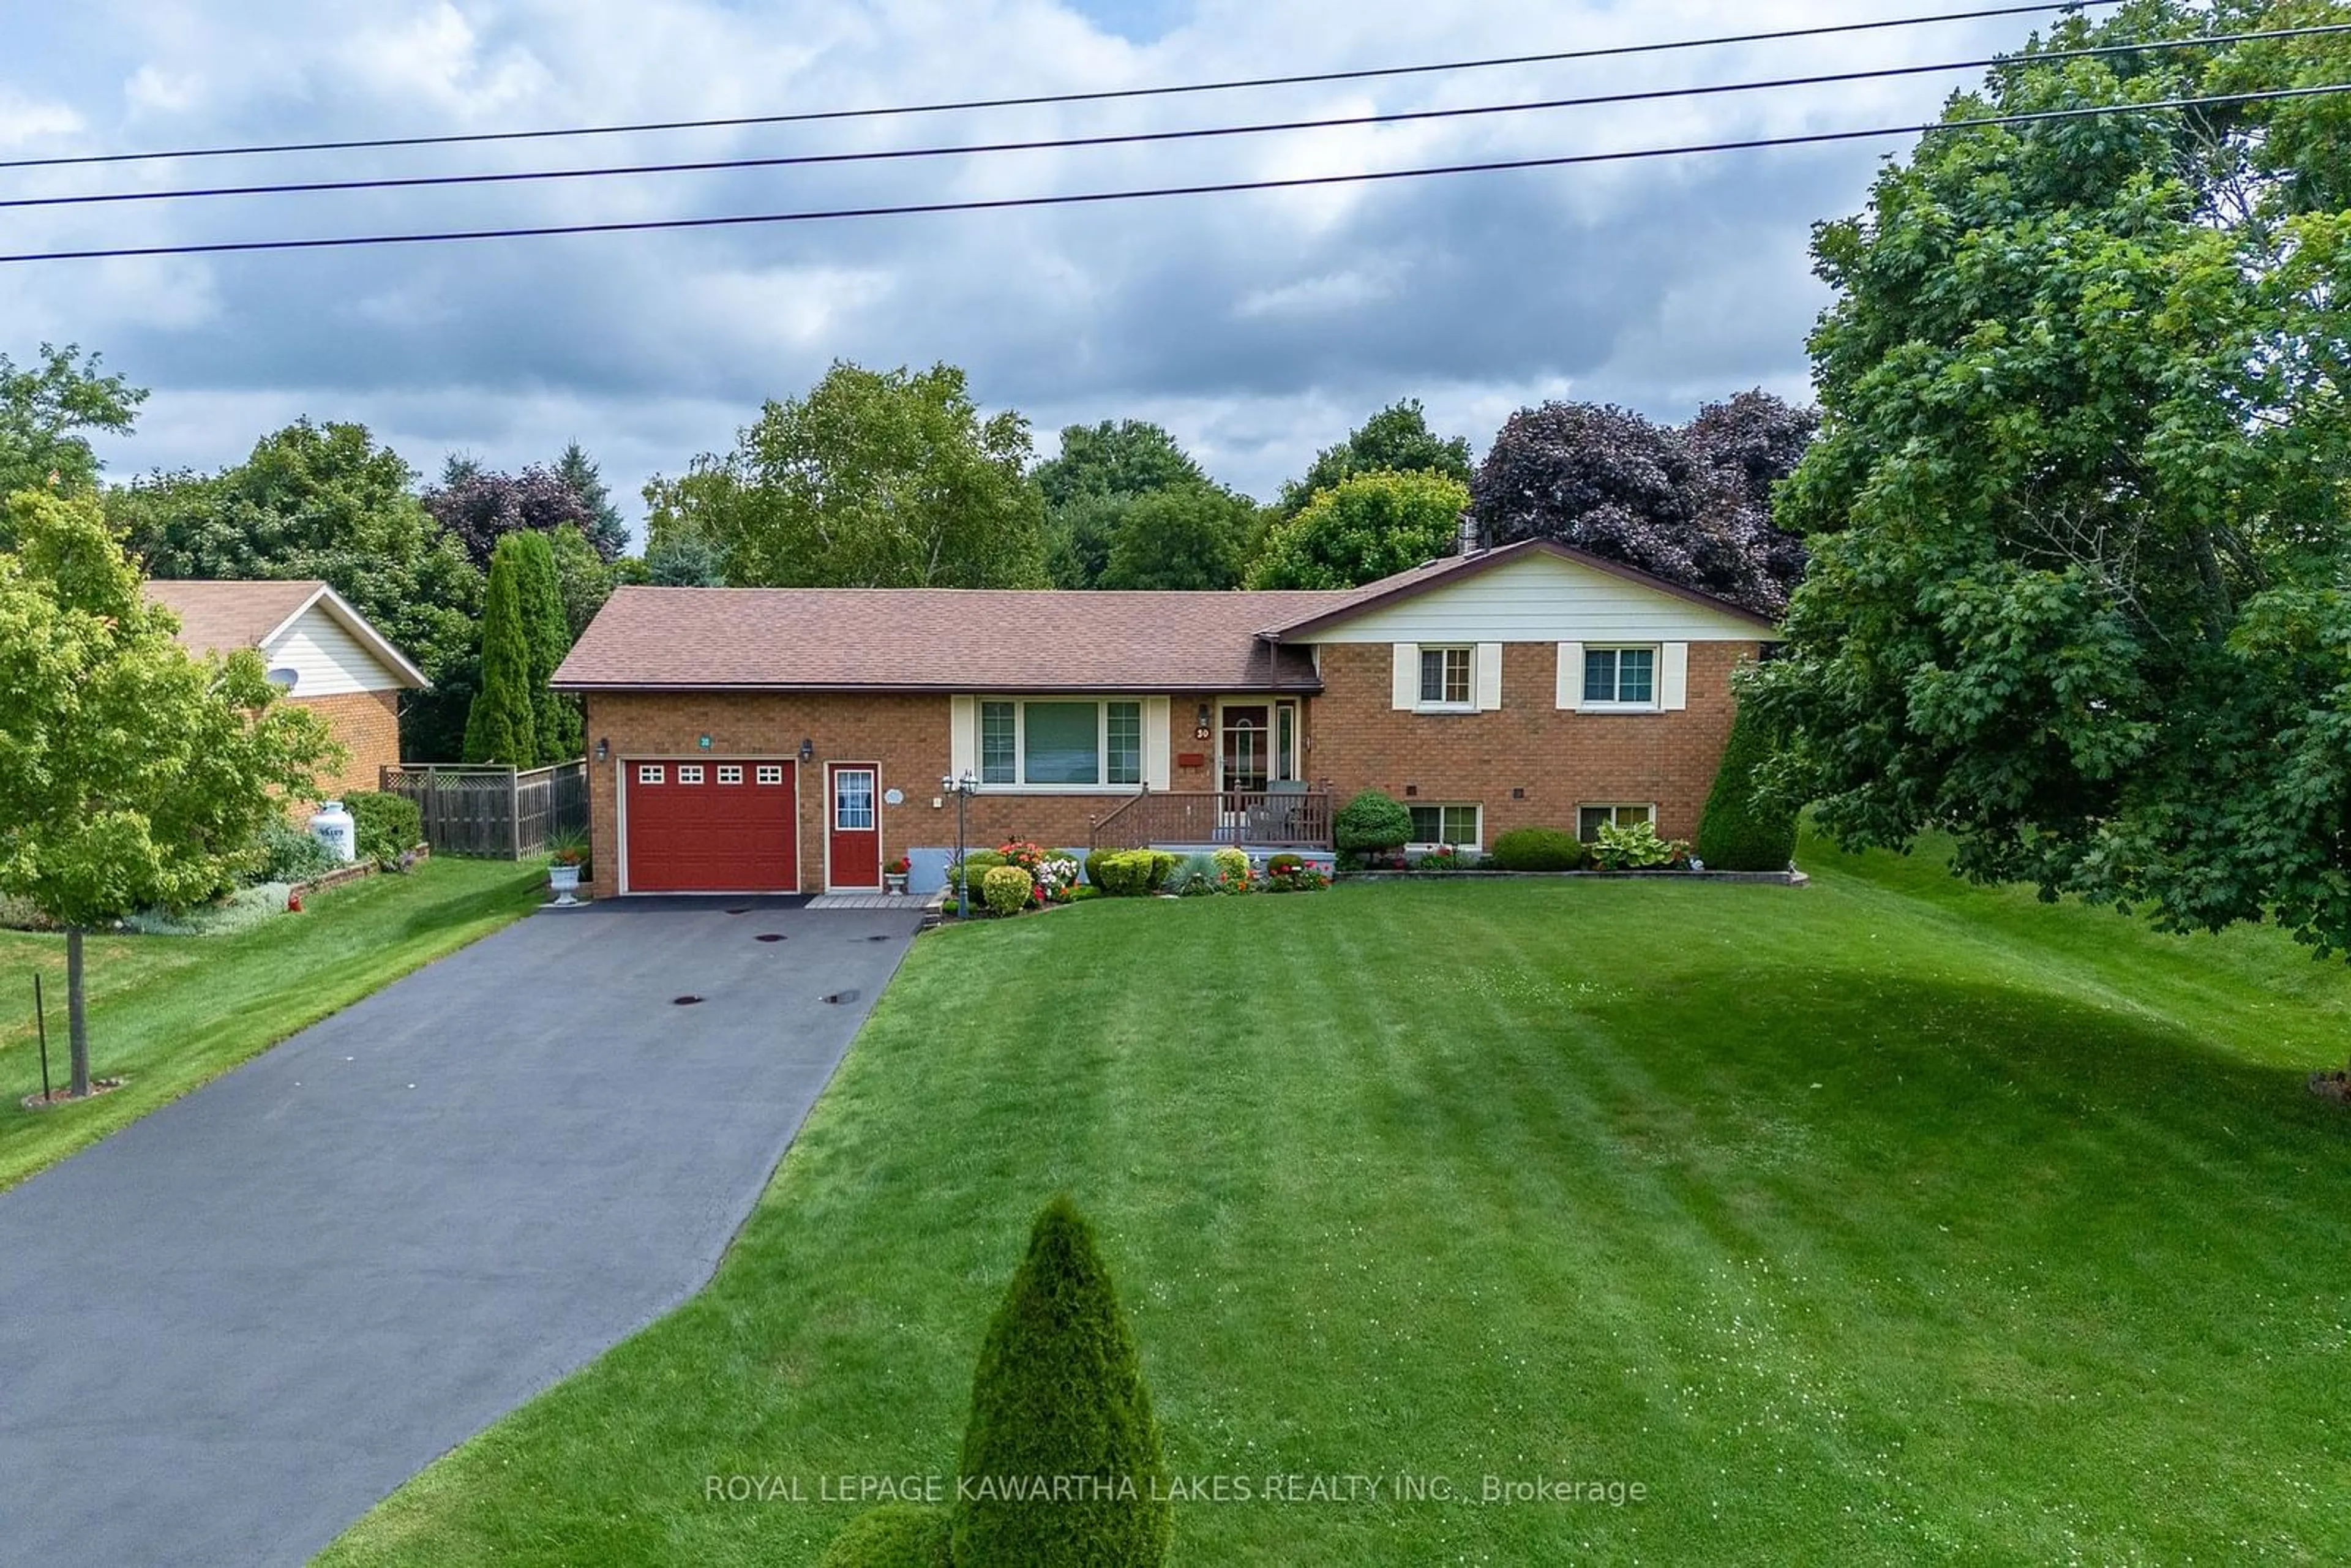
[1374,823]
[895,1535]
[555,715]
[501,726]
[1745,827]
[1060,1393]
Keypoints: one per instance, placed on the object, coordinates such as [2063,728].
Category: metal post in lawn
[961,786]
[41,1028]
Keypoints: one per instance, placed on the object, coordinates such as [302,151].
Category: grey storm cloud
[1258,327]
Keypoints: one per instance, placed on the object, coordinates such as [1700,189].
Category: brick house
[323,653]
[795,739]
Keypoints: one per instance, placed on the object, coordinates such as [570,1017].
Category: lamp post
[963,786]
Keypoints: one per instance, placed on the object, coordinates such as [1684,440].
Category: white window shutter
[1407,675]
[1157,713]
[962,736]
[1486,672]
[1673,678]
[1570,676]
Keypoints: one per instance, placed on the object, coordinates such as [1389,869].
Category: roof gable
[1534,590]
[219,616]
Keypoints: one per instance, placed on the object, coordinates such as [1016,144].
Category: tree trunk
[77,1018]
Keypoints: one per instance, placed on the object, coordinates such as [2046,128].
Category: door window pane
[852,800]
[1063,744]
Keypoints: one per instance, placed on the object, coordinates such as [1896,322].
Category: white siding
[1542,598]
[327,660]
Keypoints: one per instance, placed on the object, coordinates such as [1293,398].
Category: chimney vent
[1466,539]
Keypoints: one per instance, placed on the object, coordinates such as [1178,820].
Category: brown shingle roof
[222,617]
[942,639]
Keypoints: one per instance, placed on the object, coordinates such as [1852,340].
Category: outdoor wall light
[603,750]
[1200,723]
[808,751]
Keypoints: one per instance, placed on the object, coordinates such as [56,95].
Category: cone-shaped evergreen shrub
[555,715]
[895,1535]
[501,726]
[1062,1466]
[1743,830]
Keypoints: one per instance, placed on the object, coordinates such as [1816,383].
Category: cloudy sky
[1258,327]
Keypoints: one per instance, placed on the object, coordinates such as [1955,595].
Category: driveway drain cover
[769,936]
[685,1001]
[843,997]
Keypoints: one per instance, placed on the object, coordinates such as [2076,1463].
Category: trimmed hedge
[1743,830]
[1096,861]
[1130,873]
[388,826]
[1060,1393]
[1373,824]
[1539,848]
[978,861]
[895,1535]
[1006,889]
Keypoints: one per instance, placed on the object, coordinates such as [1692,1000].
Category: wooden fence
[502,812]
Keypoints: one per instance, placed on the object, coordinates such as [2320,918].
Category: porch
[1288,817]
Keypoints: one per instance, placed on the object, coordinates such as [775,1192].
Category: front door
[1242,764]
[853,842]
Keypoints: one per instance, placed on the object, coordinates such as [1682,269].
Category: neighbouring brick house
[323,653]
[795,739]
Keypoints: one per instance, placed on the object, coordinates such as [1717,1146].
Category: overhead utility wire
[1037,99]
[1649,95]
[1078,198]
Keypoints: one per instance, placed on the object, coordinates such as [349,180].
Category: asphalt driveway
[229,1329]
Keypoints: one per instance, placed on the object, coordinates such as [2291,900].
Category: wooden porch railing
[1272,818]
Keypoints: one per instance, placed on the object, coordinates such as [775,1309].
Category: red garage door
[710,826]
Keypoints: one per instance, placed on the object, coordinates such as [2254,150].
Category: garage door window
[689,772]
[729,775]
[772,773]
[651,772]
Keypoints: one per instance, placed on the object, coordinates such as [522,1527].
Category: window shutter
[1673,676]
[1570,676]
[1157,713]
[962,736]
[1407,675]
[1487,676]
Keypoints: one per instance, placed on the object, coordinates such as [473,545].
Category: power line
[1223,188]
[1040,99]
[1131,138]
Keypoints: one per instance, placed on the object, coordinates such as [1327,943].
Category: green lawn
[1884,1221]
[169,1013]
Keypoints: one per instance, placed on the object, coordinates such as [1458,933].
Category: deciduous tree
[1099,472]
[874,480]
[1190,537]
[131,774]
[1396,439]
[45,410]
[2077,512]
[1362,528]
[1688,504]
